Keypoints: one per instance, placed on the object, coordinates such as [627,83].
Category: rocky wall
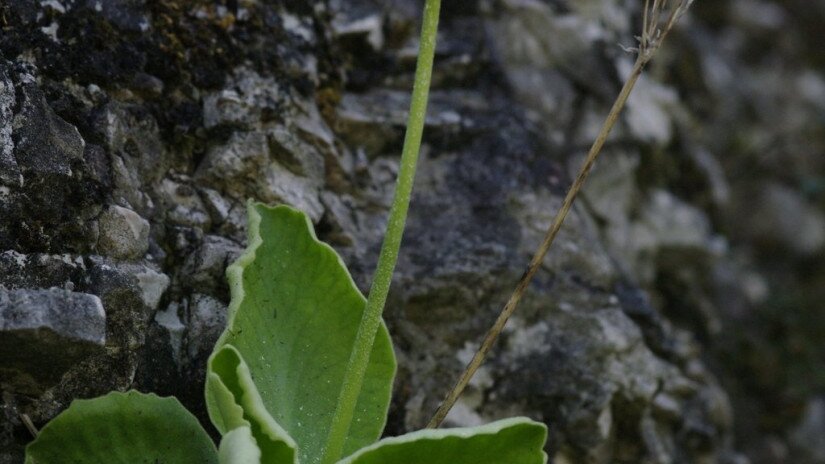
[678,318]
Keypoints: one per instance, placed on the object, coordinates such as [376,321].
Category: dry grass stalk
[659,18]
[29,425]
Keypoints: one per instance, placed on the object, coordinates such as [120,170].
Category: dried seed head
[659,17]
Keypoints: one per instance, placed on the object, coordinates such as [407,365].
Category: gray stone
[758,14]
[136,286]
[376,120]
[650,108]
[216,204]
[182,204]
[132,138]
[123,233]
[47,145]
[245,102]
[129,15]
[713,171]
[43,333]
[236,166]
[605,374]
[664,223]
[9,170]
[152,285]
[207,319]
[369,27]
[48,197]
[807,436]
[611,191]
[18,270]
[780,216]
[298,191]
[170,321]
[203,270]
[267,167]
[674,223]
[528,32]
[130,292]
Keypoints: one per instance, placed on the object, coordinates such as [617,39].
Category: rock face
[677,319]
[46,332]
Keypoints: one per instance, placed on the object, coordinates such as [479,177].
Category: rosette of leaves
[275,378]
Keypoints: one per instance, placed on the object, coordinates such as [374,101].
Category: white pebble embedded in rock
[123,233]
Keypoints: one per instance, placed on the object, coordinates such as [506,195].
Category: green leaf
[511,441]
[293,318]
[233,402]
[239,447]
[124,428]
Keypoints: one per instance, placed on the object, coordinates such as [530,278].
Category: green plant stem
[371,320]
[538,257]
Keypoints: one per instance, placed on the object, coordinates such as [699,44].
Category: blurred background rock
[680,318]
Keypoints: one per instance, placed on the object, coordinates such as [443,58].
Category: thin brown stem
[538,257]
[653,34]
[645,19]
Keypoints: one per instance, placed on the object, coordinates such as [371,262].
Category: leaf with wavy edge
[512,441]
[233,401]
[293,318]
[239,447]
[125,428]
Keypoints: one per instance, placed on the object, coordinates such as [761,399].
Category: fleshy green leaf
[239,447]
[510,441]
[293,318]
[233,401]
[124,428]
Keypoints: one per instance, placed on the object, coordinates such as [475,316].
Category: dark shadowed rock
[43,333]
[780,216]
[207,318]
[9,169]
[807,436]
[48,197]
[204,268]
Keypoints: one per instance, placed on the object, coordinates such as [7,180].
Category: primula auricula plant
[304,369]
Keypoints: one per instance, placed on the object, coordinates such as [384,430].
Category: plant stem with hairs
[371,320]
[656,27]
